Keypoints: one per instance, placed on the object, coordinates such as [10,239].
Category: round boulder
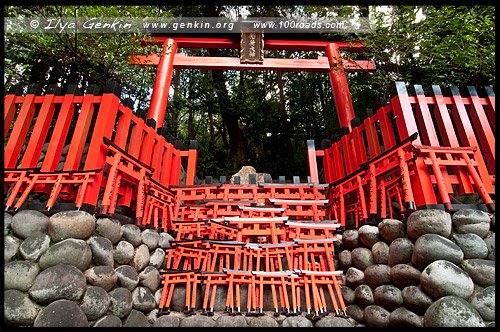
[429,221]
[150,238]
[157,258]
[481,271]
[61,313]
[127,277]
[123,252]
[132,234]
[415,299]
[377,275]
[380,252]
[71,224]
[150,278]
[29,222]
[102,276]
[348,295]
[368,235]
[471,221]
[102,250]
[200,321]
[354,277]
[11,248]
[490,244]
[391,229]
[376,316]
[297,321]
[34,246]
[452,311]
[120,302]
[58,282]
[442,278]
[364,295]
[388,297]
[141,257]
[18,309]
[20,275]
[7,220]
[402,317]
[136,319]
[142,299]
[164,240]
[484,303]
[233,321]
[356,312]
[109,321]
[329,321]
[472,245]
[400,251]
[110,229]
[362,258]
[345,259]
[403,275]
[432,247]
[172,321]
[70,251]
[95,302]
[350,239]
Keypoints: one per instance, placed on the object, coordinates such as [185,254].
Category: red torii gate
[332,63]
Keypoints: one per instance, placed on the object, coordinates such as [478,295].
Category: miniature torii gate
[332,63]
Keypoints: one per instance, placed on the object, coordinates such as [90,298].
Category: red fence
[451,120]
[72,124]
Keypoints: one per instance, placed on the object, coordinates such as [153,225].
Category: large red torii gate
[332,63]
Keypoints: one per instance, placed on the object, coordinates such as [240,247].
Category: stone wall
[74,270]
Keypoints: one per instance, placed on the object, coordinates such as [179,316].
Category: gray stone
[484,303]
[152,315]
[34,246]
[368,235]
[403,275]
[362,258]
[388,297]
[132,234]
[442,278]
[197,321]
[221,296]
[490,244]
[232,321]
[178,302]
[110,229]
[150,278]
[378,274]
[415,299]
[347,294]
[150,238]
[58,282]
[136,319]
[19,309]
[142,299]
[29,222]
[345,259]
[354,277]
[432,247]
[127,277]
[481,271]
[70,251]
[121,302]
[169,321]
[296,321]
[71,224]
[164,240]
[157,295]
[109,321]
[11,248]
[452,311]
[61,313]
[376,316]
[141,257]
[402,317]
[391,229]
[400,251]
[472,245]
[123,252]
[103,276]
[350,239]
[429,221]
[380,252]
[102,250]
[7,220]
[262,321]
[20,275]
[471,221]
[329,321]
[364,295]
[356,312]
[157,258]
[95,302]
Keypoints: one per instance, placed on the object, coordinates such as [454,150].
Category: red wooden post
[159,98]
[10,107]
[343,103]
[427,131]
[311,157]
[192,161]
